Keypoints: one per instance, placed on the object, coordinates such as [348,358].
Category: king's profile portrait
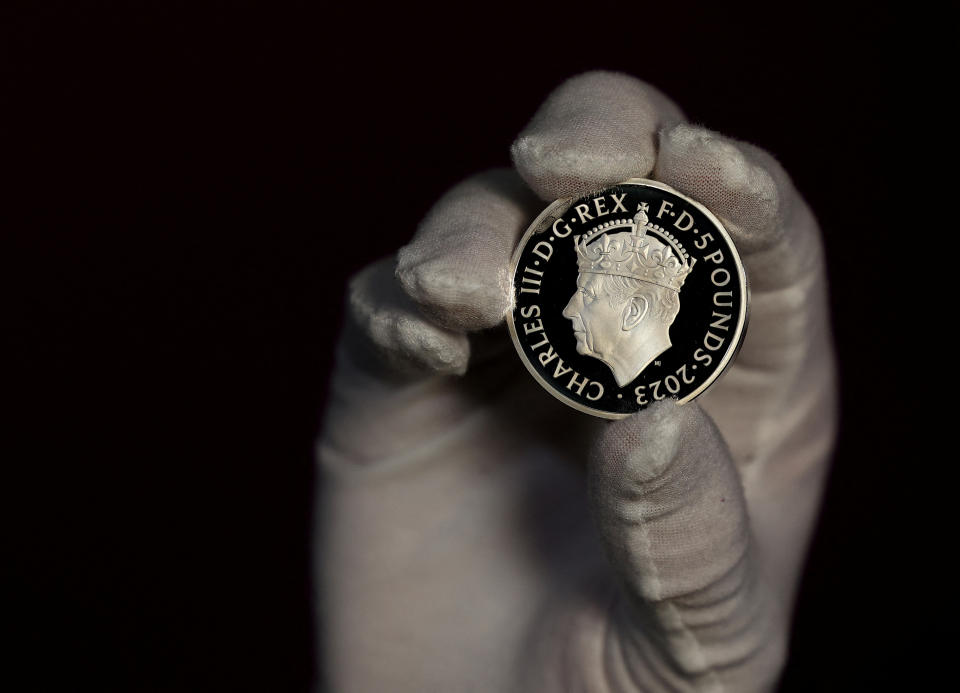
[628,293]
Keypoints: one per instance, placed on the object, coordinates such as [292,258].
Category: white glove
[455,545]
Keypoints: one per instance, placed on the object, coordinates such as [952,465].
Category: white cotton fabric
[608,124]
[473,534]
[457,267]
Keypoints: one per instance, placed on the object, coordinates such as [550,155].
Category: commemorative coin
[627,296]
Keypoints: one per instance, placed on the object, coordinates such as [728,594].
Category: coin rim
[564,203]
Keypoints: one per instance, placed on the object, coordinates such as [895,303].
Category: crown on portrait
[633,253]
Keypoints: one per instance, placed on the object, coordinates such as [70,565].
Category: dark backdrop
[182,183]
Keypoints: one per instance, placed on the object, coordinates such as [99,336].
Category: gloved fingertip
[742,184]
[594,130]
[392,331]
[451,299]
[456,268]
[637,449]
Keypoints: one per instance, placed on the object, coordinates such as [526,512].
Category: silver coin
[627,296]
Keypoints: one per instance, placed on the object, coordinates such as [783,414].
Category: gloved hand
[456,549]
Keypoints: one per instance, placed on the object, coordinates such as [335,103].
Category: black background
[182,180]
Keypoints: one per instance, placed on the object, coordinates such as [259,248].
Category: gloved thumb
[670,507]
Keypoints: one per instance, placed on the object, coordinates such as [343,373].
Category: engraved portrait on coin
[627,296]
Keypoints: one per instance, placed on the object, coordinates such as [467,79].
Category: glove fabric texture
[474,534]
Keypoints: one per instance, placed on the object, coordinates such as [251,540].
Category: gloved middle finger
[595,130]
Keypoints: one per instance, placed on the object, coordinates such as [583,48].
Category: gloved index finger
[457,267]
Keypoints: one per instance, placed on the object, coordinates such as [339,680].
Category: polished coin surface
[627,296]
